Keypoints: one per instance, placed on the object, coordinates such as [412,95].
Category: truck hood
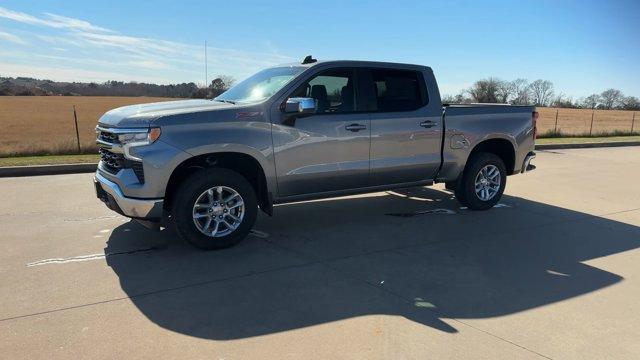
[144,114]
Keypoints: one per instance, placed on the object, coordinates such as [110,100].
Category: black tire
[465,192]
[193,187]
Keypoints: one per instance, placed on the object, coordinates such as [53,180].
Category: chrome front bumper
[109,193]
[526,165]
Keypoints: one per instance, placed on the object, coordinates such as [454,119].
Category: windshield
[260,86]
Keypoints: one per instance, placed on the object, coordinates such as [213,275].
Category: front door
[328,150]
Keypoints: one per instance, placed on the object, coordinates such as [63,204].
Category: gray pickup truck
[301,131]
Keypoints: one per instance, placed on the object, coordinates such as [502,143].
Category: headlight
[139,138]
[134,138]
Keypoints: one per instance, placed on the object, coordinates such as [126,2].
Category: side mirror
[300,105]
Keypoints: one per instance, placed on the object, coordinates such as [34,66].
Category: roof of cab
[358,63]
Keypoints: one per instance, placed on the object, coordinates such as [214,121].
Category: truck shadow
[413,253]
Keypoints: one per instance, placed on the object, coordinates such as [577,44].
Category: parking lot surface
[553,271]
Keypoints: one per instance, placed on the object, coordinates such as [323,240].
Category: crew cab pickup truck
[301,131]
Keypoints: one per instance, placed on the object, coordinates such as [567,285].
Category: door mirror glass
[300,105]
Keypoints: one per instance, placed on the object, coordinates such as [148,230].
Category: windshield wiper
[226,101]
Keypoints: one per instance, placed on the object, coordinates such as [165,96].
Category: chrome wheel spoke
[233,217]
[215,229]
[231,197]
[207,224]
[237,204]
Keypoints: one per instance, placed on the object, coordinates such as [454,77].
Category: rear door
[328,150]
[405,127]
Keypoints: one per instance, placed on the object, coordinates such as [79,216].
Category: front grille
[111,162]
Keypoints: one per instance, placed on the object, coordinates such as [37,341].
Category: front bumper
[109,193]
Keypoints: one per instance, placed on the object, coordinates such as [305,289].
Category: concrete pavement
[553,272]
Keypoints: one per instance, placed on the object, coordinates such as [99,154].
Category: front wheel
[215,208]
[483,182]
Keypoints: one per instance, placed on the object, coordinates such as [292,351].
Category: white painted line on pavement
[94,218]
[68,260]
[82,258]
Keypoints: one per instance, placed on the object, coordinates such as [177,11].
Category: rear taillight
[534,123]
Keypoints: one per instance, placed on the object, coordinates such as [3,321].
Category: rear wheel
[215,208]
[483,182]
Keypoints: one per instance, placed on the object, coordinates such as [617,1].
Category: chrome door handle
[428,124]
[355,127]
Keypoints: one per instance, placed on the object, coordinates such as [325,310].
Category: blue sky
[582,46]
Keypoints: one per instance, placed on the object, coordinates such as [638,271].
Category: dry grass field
[578,121]
[44,124]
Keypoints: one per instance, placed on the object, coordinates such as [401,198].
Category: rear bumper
[109,193]
[526,165]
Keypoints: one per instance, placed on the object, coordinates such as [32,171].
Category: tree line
[538,93]
[24,86]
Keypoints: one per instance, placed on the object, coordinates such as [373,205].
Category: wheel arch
[246,164]
[500,146]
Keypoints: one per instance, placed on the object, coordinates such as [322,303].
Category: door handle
[428,124]
[355,127]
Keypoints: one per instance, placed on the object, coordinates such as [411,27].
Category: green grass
[584,140]
[561,134]
[49,160]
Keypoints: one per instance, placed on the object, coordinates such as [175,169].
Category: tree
[521,92]
[221,84]
[541,92]
[611,98]
[590,102]
[562,101]
[485,91]
[630,103]
[505,92]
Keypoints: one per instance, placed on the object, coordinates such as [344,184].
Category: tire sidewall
[189,192]
[476,163]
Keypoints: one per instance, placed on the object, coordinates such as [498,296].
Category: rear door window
[398,90]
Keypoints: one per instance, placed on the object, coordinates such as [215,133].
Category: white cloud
[11,38]
[72,23]
[96,47]
[52,20]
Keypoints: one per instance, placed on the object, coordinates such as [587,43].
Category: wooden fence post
[555,129]
[633,122]
[591,128]
[75,118]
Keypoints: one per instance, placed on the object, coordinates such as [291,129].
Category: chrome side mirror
[300,105]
